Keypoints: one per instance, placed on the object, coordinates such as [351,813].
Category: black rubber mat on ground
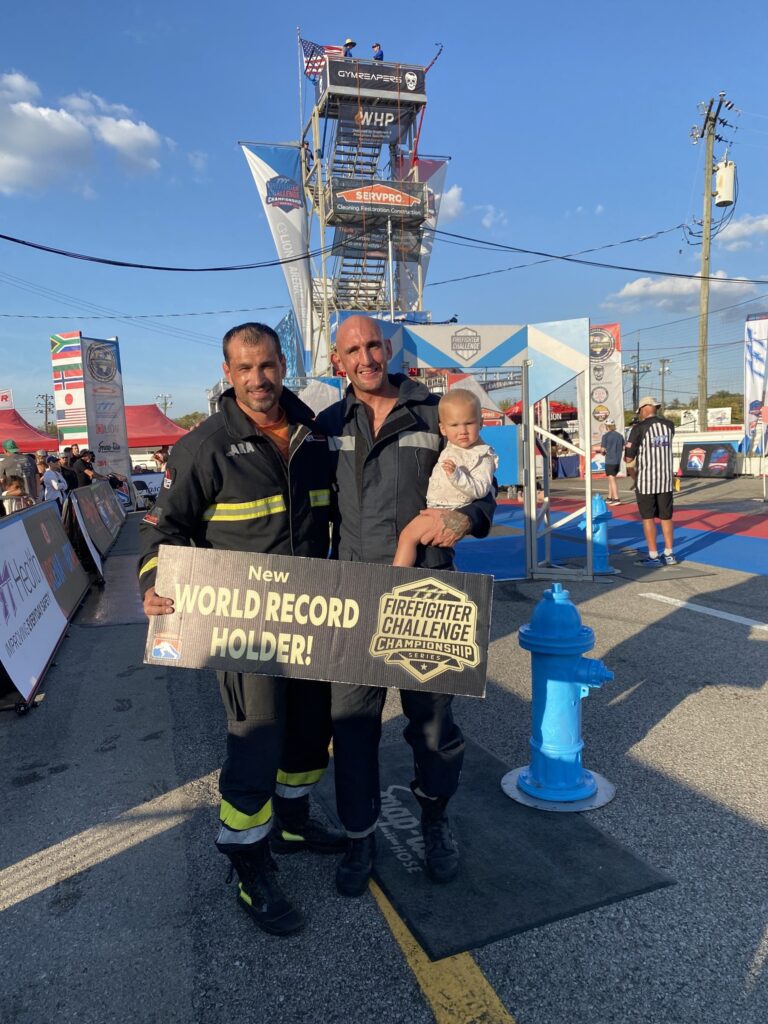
[520,868]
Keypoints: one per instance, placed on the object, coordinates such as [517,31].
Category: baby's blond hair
[459,396]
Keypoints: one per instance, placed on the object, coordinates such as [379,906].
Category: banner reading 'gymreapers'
[277,173]
[606,396]
[755,397]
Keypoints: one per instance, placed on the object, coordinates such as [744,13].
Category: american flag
[314,56]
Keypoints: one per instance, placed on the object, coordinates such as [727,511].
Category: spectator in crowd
[650,447]
[15,497]
[349,45]
[65,468]
[83,467]
[160,458]
[54,484]
[41,465]
[612,446]
[378,53]
[15,463]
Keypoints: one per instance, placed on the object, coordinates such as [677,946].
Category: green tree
[723,399]
[191,419]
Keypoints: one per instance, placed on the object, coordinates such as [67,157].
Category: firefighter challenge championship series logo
[427,628]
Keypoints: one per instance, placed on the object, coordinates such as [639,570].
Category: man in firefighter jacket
[386,437]
[255,477]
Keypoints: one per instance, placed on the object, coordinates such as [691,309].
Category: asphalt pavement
[113,903]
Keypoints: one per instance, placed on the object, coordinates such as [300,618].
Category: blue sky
[568,127]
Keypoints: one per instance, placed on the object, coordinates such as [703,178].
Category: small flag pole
[301,85]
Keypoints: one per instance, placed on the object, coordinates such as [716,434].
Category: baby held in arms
[463,473]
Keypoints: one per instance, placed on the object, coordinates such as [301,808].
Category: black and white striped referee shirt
[650,442]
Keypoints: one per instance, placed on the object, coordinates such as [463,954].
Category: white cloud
[451,205]
[743,233]
[15,86]
[492,217]
[85,103]
[675,294]
[198,161]
[136,143]
[599,209]
[40,145]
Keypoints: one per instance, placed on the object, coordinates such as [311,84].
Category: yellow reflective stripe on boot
[295,784]
[239,822]
[236,511]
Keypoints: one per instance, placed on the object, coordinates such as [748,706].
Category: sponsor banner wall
[557,351]
[755,392]
[105,406]
[403,200]
[99,513]
[276,171]
[402,84]
[306,618]
[41,583]
[708,459]
[147,483]
[65,575]
[368,124]
[606,394]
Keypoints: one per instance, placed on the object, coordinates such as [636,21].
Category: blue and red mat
[727,540]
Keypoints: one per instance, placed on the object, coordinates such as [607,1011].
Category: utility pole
[165,401]
[707,132]
[663,371]
[45,406]
[637,370]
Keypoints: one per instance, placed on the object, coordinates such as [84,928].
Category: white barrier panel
[41,585]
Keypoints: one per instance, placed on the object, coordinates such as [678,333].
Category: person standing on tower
[378,53]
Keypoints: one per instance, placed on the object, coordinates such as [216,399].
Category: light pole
[663,371]
[164,401]
[45,406]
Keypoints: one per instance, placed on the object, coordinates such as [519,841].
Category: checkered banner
[308,618]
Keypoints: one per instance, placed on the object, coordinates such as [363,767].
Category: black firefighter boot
[259,892]
[295,831]
[440,850]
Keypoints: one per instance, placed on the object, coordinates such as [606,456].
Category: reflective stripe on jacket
[227,486]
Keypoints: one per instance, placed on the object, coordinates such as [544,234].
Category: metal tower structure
[361,177]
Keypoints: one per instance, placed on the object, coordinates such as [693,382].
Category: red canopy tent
[14,427]
[148,426]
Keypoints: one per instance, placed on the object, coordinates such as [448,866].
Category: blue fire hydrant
[557,640]
[601,514]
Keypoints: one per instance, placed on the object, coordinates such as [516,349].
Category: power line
[134,316]
[180,270]
[484,244]
[607,266]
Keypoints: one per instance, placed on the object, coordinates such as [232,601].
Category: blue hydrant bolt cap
[555,626]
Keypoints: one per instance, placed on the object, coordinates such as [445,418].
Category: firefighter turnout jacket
[227,486]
